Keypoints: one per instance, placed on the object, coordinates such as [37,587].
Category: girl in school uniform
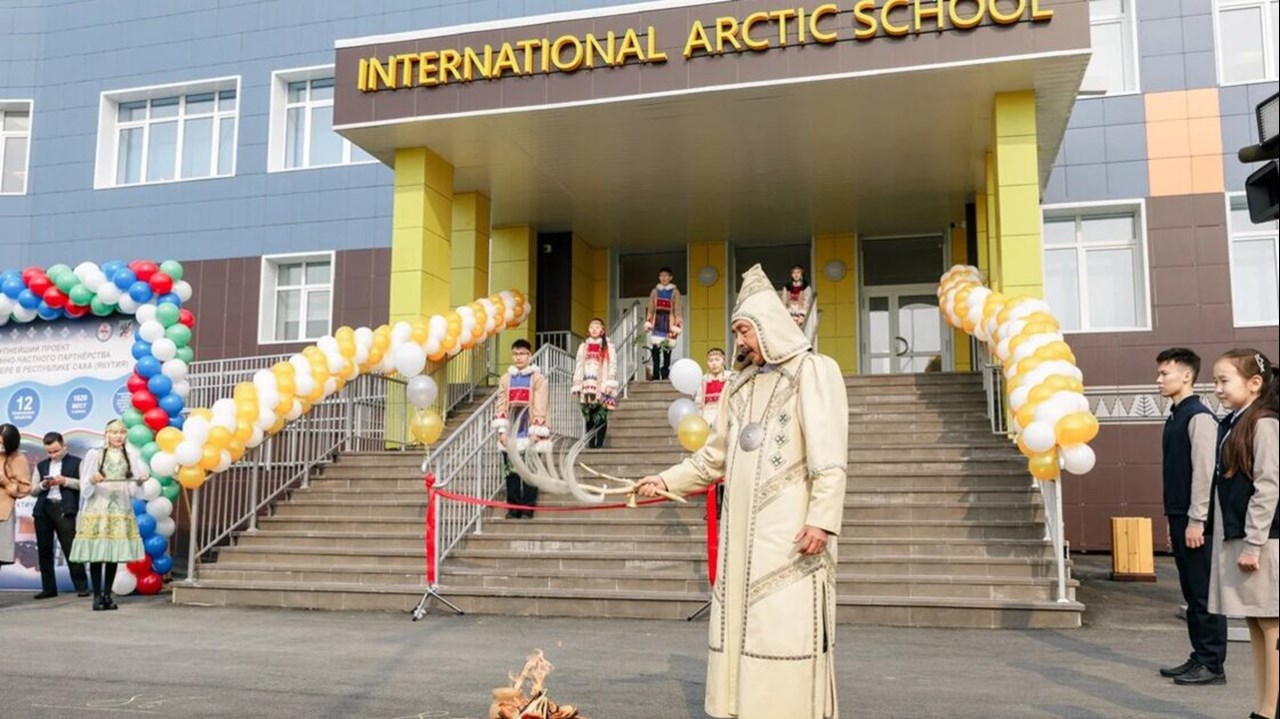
[1246,492]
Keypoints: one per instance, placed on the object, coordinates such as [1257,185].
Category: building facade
[316,167]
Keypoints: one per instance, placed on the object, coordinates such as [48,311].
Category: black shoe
[1179,670]
[1256,715]
[82,592]
[513,514]
[1201,675]
[46,595]
[528,514]
[108,602]
[97,603]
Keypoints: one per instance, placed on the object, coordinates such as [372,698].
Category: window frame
[1129,23]
[9,105]
[268,290]
[1078,210]
[278,132]
[1273,234]
[1271,64]
[108,148]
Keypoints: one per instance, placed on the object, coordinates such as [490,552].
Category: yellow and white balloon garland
[1050,416]
[211,439]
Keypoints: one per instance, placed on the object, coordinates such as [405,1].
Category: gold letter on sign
[362,82]
[890,28]
[697,40]
[965,23]
[751,21]
[654,54]
[934,12]
[864,20]
[557,49]
[727,29]
[630,48]
[1007,18]
[1038,15]
[819,34]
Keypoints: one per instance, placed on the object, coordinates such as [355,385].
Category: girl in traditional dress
[107,532]
[15,483]
[595,381]
[1246,518]
[799,298]
[663,323]
[714,384]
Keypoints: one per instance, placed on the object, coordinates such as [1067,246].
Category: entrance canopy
[885,134]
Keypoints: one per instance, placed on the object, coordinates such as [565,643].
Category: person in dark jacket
[56,486]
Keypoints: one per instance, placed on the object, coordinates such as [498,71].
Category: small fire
[511,702]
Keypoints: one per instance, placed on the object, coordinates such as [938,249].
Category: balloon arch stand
[183,447]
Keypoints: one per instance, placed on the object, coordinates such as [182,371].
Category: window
[1247,45]
[1255,267]
[15,142]
[1096,267]
[1113,66]
[165,134]
[302,133]
[297,297]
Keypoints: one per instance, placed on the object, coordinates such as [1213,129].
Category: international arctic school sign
[757,32]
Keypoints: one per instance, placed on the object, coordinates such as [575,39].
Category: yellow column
[469,264]
[992,267]
[838,300]
[582,288]
[960,256]
[600,285]
[421,234]
[1017,178]
[983,260]
[513,265]
[708,311]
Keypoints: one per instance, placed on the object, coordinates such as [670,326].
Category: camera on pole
[1262,189]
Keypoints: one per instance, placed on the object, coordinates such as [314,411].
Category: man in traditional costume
[714,384]
[663,321]
[522,398]
[781,443]
[595,382]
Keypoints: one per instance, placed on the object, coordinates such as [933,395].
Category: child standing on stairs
[714,384]
[663,323]
[595,382]
[522,398]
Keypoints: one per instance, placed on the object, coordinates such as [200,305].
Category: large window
[15,143]
[1095,267]
[1247,45]
[1113,68]
[1254,267]
[297,297]
[302,133]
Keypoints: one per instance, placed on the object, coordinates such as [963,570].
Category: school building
[319,164]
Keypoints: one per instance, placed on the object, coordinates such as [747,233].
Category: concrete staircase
[942,528]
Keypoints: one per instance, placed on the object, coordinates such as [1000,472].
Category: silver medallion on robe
[751,437]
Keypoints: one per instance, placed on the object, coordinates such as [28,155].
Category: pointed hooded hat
[759,304]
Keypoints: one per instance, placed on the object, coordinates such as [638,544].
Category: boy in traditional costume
[663,322]
[595,382]
[714,383]
[522,399]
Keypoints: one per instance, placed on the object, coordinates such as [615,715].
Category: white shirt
[55,469]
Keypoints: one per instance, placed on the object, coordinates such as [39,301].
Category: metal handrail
[993,385]
[567,341]
[628,338]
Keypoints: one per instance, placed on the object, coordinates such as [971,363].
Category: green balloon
[67,282]
[167,315]
[173,268]
[81,295]
[56,271]
[140,435]
[149,450]
[165,481]
[100,308]
[131,417]
[171,491]
[186,354]
[180,334]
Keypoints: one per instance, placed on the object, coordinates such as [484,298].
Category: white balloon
[364,336]
[163,464]
[295,411]
[165,527]
[268,398]
[182,289]
[678,410]
[438,324]
[400,333]
[1018,397]
[164,350]
[1078,459]
[256,439]
[196,430]
[224,462]
[109,294]
[1050,412]
[160,508]
[686,376]
[264,379]
[336,362]
[6,306]
[147,313]
[304,383]
[433,346]
[266,418]
[327,344]
[188,453]
[125,583]
[150,489]
[182,388]
[1072,401]
[1039,437]
[83,269]
[362,354]
[150,330]
[94,281]
[421,391]
[174,369]
[22,314]
[410,359]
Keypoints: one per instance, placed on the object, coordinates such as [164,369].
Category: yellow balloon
[1027,414]
[245,391]
[692,432]
[1044,465]
[191,477]
[1023,448]
[209,457]
[1028,364]
[1076,428]
[202,413]
[426,425]
[219,438]
[169,438]
[1040,393]
[236,448]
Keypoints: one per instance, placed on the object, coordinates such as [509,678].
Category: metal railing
[565,341]
[993,384]
[629,341]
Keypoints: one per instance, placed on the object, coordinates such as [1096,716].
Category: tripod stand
[421,610]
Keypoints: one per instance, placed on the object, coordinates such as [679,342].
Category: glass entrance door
[903,331]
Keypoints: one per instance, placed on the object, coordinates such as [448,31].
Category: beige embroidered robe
[772,632]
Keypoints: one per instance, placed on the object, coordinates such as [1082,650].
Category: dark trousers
[661,362]
[596,417]
[518,492]
[52,524]
[1208,632]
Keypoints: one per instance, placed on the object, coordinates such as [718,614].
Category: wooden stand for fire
[1132,553]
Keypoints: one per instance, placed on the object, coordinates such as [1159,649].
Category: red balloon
[185,317]
[150,583]
[156,418]
[54,298]
[140,567]
[136,383]
[39,284]
[161,283]
[144,401]
[76,310]
[146,270]
[30,273]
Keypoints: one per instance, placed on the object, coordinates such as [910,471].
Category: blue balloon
[140,291]
[169,297]
[47,313]
[172,404]
[160,385]
[12,286]
[141,348]
[162,564]
[148,367]
[146,525]
[29,300]
[111,267]
[156,545]
[177,420]
[139,506]
[124,278]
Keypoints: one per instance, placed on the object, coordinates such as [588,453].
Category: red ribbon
[713,532]
[432,492]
